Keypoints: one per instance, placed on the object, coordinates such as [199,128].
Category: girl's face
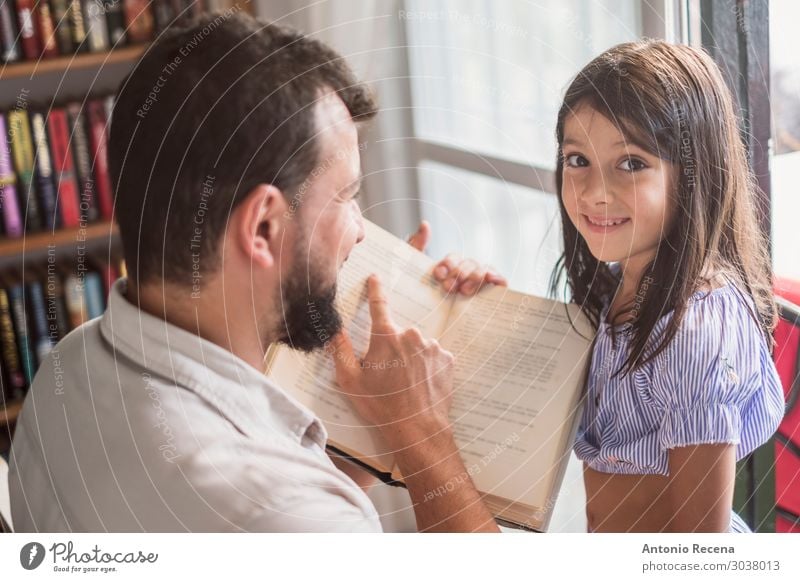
[618,196]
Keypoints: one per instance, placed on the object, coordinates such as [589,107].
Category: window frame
[667,19]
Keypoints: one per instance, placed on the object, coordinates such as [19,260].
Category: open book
[519,374]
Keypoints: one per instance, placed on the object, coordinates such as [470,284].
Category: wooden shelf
[9,414]
[63,237]
[71,62]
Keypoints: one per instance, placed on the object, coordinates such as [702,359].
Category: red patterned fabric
[787,445]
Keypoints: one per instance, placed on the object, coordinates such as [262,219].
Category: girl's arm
[700,489]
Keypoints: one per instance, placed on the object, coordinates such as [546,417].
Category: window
[785,170]
[514,228]
[487,79]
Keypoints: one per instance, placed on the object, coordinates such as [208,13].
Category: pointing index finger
[378,304]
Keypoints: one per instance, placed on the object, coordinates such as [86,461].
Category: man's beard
[310,318]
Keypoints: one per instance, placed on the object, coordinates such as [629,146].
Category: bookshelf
[30,69]
[49,82]
[45,79]
[60,238]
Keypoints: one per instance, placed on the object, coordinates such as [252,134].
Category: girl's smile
[603,224]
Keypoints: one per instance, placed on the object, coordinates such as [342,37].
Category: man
[234,153]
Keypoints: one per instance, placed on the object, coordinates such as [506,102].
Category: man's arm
[410,404]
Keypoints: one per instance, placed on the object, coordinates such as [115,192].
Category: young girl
[663,251]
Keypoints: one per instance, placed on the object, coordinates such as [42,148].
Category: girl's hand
[455,274]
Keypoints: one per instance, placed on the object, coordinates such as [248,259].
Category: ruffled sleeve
[716,382]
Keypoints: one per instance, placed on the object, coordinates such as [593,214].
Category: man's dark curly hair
[211,110]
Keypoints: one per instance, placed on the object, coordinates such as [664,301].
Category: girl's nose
[595,189]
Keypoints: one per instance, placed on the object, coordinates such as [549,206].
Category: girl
[663,252]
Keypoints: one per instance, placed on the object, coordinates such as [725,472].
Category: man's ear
[259,222]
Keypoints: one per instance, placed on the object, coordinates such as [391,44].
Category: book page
[415,300]
[519,374]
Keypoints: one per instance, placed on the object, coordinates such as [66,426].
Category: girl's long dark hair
[672,101]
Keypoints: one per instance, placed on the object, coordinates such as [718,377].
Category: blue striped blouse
[714,383]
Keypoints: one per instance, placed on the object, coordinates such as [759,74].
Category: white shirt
[133,424]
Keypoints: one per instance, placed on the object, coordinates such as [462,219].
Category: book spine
[19,133]
[8,33]
[94,295]
[44,172]
[62,18]
[139,20]
[58,322]
[95,22]
[47,33]
[16,297]
[108,107]
[83,162]
[115,22]
[163,14]
[67,188]
[43,342]
[97,131]
[75,300]
[8,342]
[77,26]
[12,219]
[27,29]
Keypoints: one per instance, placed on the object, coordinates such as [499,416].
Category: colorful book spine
[75,300]
[44,172]
[8,33]
[97,131]
[27,29]
[95,302]
[95,22]
[77,26]
[115,22]
[41,333]
[46,30]
[56,311]
[66,186]
[16,298]
[62,17]
[12,219]
[83,161]
[19,133]
[8,344]
[139,20]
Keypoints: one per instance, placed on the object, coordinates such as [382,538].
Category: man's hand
[404,386]
[404,383]
[455,274]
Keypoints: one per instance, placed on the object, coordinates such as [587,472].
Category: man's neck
[220,319]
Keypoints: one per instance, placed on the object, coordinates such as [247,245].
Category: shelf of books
[28,69]
[59,248]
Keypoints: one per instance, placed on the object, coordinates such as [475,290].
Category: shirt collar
[232,386]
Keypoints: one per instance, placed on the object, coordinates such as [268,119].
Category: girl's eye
[632,165]
[576,161]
